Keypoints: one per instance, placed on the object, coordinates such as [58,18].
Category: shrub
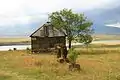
[14,49]
[10,50]
[27,48]
[72,55]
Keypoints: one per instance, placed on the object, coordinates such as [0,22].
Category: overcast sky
[14,12]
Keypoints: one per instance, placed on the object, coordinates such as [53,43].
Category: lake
[22,47]
[19,47]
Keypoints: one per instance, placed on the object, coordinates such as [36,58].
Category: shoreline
[106,42]
[24,45]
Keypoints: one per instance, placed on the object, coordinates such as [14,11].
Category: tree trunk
[70,44]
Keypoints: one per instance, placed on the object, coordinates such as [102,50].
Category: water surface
[22,47]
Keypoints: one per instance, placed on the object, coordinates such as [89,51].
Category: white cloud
[113,25]
[24,11]
[12,21]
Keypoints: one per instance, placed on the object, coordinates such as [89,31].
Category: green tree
[75,26]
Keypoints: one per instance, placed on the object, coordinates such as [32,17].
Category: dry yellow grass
[20,65]
[4,40]
[105,37]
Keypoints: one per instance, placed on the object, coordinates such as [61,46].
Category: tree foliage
[75,26]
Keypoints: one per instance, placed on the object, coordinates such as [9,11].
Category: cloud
[12,21]
[113,25]
[14,12]
[53,5]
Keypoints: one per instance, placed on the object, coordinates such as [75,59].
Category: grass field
[97,63]
[98,37]
[23,39]
[16,39]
